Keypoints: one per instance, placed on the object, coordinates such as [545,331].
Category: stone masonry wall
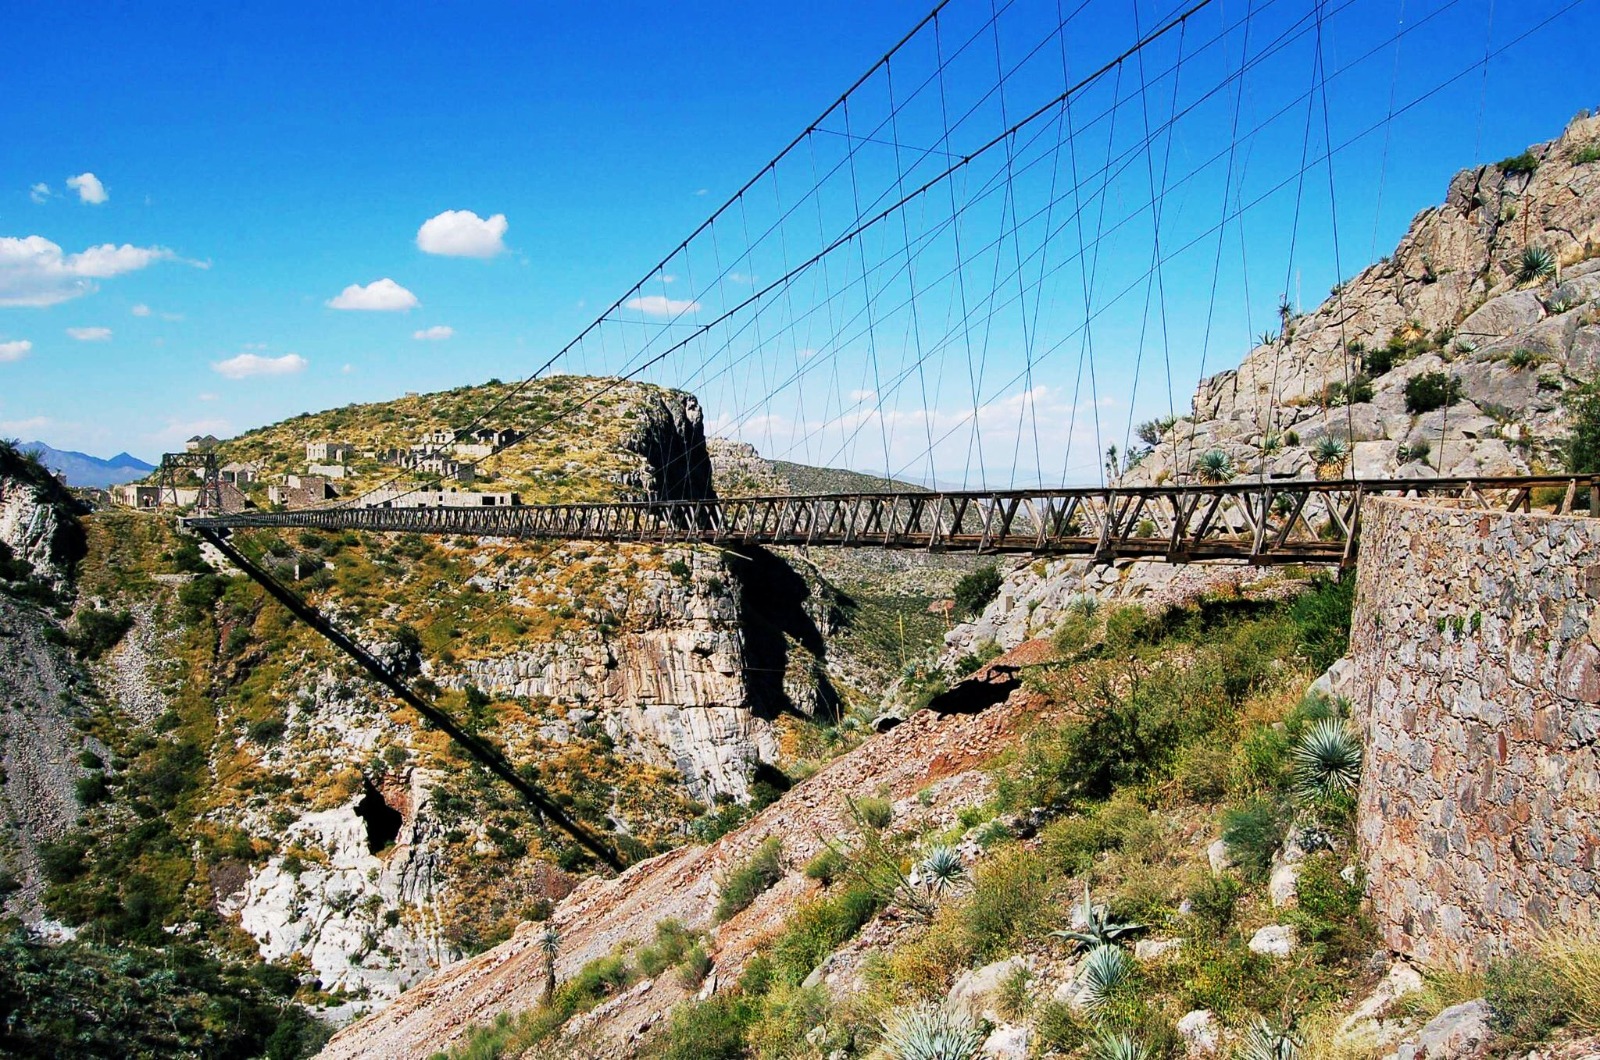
[1476,644]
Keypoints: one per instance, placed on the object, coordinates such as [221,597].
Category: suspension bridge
[994,264]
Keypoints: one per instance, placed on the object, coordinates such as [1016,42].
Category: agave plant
[1084,605]
[1120,1046]
[941,868]
[1328,455]
[1214,466]
[1105,972]
[1099,928]
[1263,1041]
[1327,758]
[928,1032]
[1536,264]
[1563,298]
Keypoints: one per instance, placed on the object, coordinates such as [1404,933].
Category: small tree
[974,591]
[1431,390]
[1581,448]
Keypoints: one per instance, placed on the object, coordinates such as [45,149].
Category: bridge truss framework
[1261,522]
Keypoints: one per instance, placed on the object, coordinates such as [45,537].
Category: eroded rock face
[357,903]
[1452,290]
[36,523]
[669,686]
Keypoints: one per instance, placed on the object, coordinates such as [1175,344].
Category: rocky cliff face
[670,437]
[1456,297]
[37,522]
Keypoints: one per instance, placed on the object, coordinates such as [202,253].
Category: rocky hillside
[231,779]
[1450,356]
[617,440]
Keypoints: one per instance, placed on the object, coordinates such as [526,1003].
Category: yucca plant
[1536,264]
[1105,972]
[1084,605]
[1215,467]
[1099,929]
[549,942]
[941,868]
[1328,455]
[1120,1046]
[1263,1041]
[928,1032]
[1327,758]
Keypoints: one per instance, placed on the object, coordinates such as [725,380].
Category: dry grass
[1572,956]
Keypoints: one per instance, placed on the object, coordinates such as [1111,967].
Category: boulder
[1274,940]
[1202,1035]
[1458,1033]
[1007,1042]
[1219,856]
[975,992]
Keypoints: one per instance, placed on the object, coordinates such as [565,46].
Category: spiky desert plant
[1536,264]
[550,947]
[1105,972]
[928,1032]
[1119,1046]
[1263,1041]
[1084,605]
[1099,929]
[941,868]
[1563,298]
[1328,455]
[1327,758]
[1214,466]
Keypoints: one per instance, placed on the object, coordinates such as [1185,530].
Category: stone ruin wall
[1476,650]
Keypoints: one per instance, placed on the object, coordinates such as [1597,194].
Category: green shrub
[672,943]
[826,867]
[98,631]
[786,1025]
[1213,900]
[696,965]
[91,789]
[1073,843]
[1328,914]
[713,1029]
[876,812]
[1060,1027]
[974,591]
[1586,154]
[1321,618]
[1518,164]
[1527,999]
[755,875]
[1253,832]
[817,928]
[1011,903]
[1580,450]
[1431,390]
[1380,360]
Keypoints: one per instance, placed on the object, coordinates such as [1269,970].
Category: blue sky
[253,162]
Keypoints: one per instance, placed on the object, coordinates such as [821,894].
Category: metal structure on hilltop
[1315,522]
[202,465]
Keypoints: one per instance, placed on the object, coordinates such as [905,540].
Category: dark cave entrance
[383,821]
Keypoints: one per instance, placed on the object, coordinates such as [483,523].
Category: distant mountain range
[81,469]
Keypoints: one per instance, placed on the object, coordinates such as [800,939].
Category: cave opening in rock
[383,821]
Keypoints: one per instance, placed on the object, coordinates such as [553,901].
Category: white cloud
[141,310]
[463,234]
[659,305]
[20,428]
[348,369]
[437,333]
[39,192]
[247,365]
[35,271]
[208,396]
[379,296]
[89,188]
[89,334]
[15,350]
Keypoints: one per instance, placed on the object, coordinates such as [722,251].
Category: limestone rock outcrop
[1455,297]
